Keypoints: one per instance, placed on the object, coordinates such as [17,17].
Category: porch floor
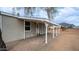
[33,43]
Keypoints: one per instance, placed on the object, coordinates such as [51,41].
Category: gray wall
[1,22]
[13,29]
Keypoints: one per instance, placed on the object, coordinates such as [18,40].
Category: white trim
[24,29]
[30,27]
[46,29]
[59,29]
[36,28]
[56,30]
[53,32]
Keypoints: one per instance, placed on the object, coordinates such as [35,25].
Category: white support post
[59,30]
[24,31]
[53,32]
[46,26]
[56,31]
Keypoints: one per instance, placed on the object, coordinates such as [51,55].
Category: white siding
[13,29]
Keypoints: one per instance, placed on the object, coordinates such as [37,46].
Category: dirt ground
[68,40]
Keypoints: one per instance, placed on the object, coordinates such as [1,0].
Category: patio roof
[30,18]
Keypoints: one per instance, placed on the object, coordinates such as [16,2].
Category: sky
[64,14]
[68,15]
[39,13]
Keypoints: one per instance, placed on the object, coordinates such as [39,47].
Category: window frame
[27,26]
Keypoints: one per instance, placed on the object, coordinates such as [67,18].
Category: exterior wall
[13,29]
[33,31]
[41,28]
[1,22]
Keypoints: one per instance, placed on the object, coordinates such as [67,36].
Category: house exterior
[16,28]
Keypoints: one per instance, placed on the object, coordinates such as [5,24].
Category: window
[27,25]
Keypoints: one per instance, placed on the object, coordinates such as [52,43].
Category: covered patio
[18,37]
[30,44]
[36,42]
[50,27]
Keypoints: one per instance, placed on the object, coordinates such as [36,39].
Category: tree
[16,10]
[29,11]
[13,11]
[50,11]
